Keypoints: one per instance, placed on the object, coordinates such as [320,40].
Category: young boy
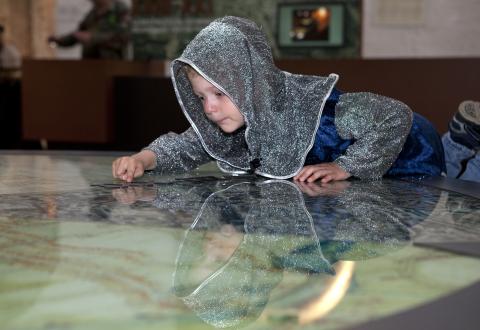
[250,116]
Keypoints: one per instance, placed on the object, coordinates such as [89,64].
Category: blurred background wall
[421,28]
[28,24]
[161,28]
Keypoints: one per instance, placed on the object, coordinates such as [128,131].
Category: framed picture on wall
[313,24]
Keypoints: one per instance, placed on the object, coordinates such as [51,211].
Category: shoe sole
[470,111]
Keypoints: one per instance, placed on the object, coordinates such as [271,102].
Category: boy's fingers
[118,172]
[114,170]
[305,173]
[317,174]
[312,173]
[120,168]
[124,167]
[130,171]
[300,176]
[135,170]
[327,178]
[138,172]
[118,165]
[115,167]
[327,172]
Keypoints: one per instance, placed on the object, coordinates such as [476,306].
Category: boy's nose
[209,106]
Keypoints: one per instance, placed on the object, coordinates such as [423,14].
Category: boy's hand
[127,168]
[326,172]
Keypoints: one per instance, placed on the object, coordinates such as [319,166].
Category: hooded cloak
[281,110]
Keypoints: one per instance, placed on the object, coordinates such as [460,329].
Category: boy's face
[217,106]
[218,247]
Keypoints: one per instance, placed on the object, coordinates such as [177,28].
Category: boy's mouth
[220,121]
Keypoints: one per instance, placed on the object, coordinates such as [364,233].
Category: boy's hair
[189,71]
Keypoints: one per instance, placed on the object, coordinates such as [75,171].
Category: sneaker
[465,125]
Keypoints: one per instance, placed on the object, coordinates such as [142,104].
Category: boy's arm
[175,153]
[379,125]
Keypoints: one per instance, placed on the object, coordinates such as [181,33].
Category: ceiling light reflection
[333,294]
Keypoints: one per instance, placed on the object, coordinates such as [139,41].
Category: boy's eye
[219,94]
[200,97]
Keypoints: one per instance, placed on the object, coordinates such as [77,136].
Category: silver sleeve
[379,125]
[177,153]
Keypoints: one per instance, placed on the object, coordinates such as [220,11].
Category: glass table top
[204,250]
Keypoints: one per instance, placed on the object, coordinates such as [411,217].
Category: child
[250,116]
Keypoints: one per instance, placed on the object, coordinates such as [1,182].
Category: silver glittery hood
[281,110]
[233,292]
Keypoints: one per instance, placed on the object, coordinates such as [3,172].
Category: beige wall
[421,28]
[28,23]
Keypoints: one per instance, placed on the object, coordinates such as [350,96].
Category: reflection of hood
[359,221]
[465,210]
[369,219]
[277,234]
[189,194]
[282,111]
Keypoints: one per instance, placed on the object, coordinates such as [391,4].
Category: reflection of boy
[250,116]
[219,246]
[465,212]
[227,265]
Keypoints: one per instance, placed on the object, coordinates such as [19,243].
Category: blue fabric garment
[422,154]
[462,163]
[328,144]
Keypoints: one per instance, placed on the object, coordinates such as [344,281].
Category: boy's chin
[229,130]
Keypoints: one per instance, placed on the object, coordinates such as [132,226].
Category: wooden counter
[71,101]
[432,87]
